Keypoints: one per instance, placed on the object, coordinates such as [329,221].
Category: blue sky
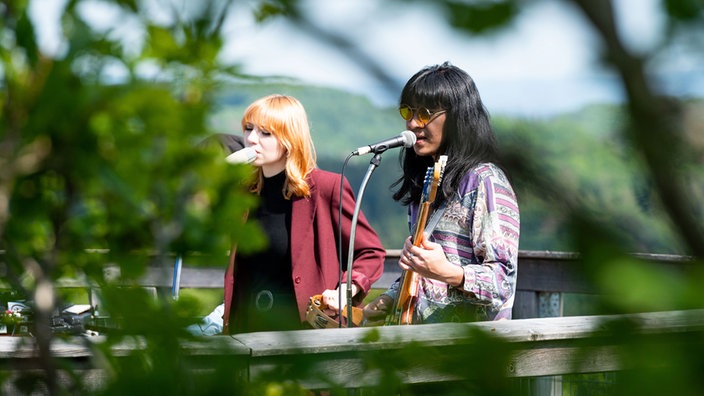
[544,63]
[543,54]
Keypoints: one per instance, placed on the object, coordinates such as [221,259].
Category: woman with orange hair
[299,206]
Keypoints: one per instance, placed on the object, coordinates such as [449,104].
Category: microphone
[244,156]
[405,139]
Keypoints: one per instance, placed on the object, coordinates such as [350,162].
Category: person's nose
[252,137]
[414,123]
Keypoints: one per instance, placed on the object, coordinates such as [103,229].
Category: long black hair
[467,136]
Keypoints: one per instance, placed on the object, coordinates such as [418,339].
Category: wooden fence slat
[540,273]
[542,347]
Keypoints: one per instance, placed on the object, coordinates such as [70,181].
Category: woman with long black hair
[467,264]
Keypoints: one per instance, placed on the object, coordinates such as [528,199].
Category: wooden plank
[191,277]
[525,305]
[538,271]
[542,347]
[551,275]
[538,362]
[525,330]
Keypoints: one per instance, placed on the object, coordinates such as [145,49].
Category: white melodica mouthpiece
[244,156]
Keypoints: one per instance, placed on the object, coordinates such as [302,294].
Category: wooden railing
[538,347]
[543,277]
[542,343]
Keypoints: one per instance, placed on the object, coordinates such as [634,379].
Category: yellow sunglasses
[421,113]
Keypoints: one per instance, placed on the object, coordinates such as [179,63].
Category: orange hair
[285,117]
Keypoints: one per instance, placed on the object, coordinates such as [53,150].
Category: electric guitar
[405,303]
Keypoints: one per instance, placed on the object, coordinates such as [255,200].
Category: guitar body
[406,301]
[403,313]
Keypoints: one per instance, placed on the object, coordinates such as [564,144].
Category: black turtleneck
[264,299]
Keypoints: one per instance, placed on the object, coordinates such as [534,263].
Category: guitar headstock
[433,178]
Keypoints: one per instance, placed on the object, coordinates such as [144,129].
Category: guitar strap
[434,219]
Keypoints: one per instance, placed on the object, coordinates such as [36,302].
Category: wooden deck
[539,347]
[541,342]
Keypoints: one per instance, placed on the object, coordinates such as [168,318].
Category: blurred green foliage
[97,161]
[90,164]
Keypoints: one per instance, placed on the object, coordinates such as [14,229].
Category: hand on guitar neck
[405,303]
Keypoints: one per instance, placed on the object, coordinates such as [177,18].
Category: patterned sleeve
[490,261]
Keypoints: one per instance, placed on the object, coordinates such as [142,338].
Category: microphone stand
[373,164]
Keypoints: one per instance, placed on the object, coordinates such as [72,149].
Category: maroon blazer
[314,256]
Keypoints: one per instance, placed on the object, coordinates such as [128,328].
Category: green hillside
[579,154]
[340,121]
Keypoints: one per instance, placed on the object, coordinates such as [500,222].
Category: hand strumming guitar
[429,261]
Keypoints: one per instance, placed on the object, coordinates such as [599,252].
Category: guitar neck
[402,312]
[404,304]
[420,223]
